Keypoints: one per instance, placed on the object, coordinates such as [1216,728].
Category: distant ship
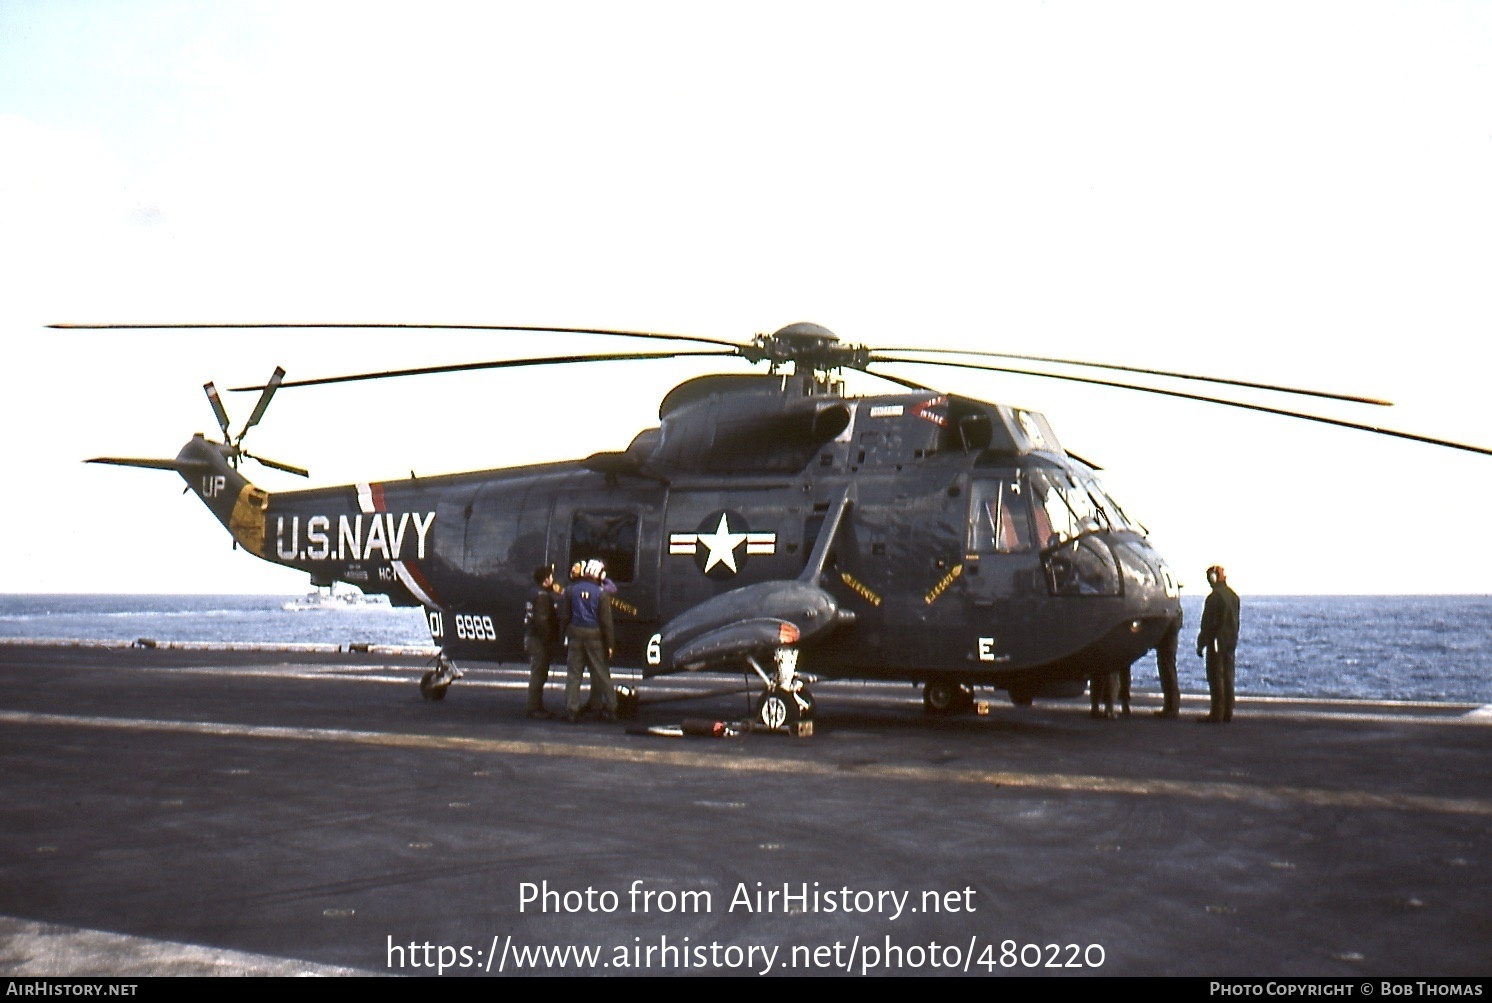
[334,598]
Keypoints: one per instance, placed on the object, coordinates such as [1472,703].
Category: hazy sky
[1294,192]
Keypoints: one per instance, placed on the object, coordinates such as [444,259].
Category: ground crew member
[1165,667]
[585,613]
[1103,688]
[1218,640]
[541,636]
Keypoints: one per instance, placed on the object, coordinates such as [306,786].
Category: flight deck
[199,811]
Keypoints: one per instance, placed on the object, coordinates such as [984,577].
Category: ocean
[1430,648]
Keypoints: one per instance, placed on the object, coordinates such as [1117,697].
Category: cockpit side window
[999,517]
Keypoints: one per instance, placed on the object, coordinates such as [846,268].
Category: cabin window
[609,536]
[999,518]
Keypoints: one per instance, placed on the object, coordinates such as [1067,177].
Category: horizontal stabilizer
[180,466]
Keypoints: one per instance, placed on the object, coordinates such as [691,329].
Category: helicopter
[769,524]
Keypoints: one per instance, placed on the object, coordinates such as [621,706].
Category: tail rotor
[232,446]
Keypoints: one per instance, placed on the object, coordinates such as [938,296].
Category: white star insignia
[722,544]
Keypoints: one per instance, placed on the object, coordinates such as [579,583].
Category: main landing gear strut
[786,699]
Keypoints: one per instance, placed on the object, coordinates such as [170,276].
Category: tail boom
[237,503]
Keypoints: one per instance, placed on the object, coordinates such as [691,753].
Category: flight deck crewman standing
[1217,640]
[540,637]
[585,612]
[1165,667]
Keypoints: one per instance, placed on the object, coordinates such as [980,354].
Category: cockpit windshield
[1057,513]
[1037,509]
[1065,509]
[1110,507]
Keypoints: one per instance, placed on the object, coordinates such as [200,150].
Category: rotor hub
[807,346]
[804,336]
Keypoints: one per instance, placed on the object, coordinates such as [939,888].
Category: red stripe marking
[422,582]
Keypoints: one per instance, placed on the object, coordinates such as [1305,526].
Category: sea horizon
[1416,647]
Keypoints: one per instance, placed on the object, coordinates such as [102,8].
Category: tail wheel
[433,686]
[626,703]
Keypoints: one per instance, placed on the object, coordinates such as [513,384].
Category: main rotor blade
[217,407]
[463,367]
[1411,436]
[1152,372]
[604,331]
[897,380]
[275,379]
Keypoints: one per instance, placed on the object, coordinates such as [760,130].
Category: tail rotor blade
[264,399]
[277,465]
[217,407]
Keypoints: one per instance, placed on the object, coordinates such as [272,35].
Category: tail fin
[238,504]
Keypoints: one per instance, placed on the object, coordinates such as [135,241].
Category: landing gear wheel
[944,696]
[433,684]
[1022,697]
[626,703]
[777,709]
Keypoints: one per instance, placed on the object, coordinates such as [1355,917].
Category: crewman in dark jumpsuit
[540,637]
[1218,639]
[1103,688]
[585,613]
[1165,667]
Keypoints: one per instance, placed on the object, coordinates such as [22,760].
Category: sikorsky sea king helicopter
[769,524]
